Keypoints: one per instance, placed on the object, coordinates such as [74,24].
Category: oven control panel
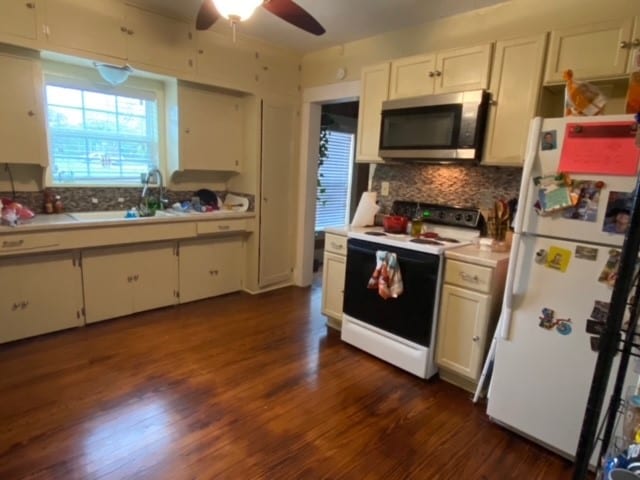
[440,214]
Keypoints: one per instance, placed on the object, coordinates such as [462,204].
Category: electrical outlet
[120,199]
[384,189]
[94,200]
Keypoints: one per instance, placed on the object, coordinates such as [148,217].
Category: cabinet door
[515,89]
[22,123]
[461,331]
[159,41]
[94,27]
[210,267]
[107,275]
[211,130]
[412,76]
[333,272]
[375,89]
[39,294]
[221,61]
[18,22]
[591,51]
[155,276]
[277,211]
[463,69]
[278,73]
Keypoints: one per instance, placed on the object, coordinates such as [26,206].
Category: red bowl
[395,224]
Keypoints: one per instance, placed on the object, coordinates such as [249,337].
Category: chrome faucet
[146,178]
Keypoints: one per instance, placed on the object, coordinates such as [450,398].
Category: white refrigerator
[560,280]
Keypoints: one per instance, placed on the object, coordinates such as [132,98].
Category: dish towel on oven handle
[386,277]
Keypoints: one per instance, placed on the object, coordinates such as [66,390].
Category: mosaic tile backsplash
[467,186]
[80,199]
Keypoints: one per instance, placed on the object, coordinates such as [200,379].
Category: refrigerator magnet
[585,195]
[595,343]
[595,327]
[600,311]
[548,140]
[547,319]
[586,253]
[541,256]
[563,326]
[558,258]
[610,271]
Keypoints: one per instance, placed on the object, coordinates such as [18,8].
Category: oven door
[409,316]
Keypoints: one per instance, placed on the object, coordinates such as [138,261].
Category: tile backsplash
[468,186]
[80,199]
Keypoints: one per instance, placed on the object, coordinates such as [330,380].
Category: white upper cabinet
[515,89]
[82,27]
[22,122]
[592,51]
[278,73]
[374,90]
[18,21]
[159,41]
[449,71]
[222,62]
[412,76]
[211,129]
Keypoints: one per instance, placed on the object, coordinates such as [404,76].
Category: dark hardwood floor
[239,387]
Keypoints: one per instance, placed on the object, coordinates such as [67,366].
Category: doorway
[340,180]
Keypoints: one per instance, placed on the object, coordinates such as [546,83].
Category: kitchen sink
[112,215]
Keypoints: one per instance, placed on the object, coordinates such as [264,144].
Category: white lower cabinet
[123,280]
[469,309]
[333,273]
[210,267]
[39,294]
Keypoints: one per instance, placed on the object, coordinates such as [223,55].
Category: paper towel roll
[367,208]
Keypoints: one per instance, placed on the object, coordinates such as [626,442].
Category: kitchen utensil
[395,224]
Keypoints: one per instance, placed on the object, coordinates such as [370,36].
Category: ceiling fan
[238,10]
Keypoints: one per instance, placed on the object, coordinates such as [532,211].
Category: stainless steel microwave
[442,128]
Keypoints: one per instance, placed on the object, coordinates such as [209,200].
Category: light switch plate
[384,189]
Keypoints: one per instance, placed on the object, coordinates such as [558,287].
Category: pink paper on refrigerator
[606,148]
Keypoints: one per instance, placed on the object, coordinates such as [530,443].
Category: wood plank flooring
[239,387]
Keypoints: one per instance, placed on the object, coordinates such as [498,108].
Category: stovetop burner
[376,234]
[425,241]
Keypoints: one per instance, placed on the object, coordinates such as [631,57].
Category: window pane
[100,101]
[64,117]
[100,121]
[68,97]
[101,137]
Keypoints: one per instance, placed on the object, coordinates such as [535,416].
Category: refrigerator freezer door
[546,163]
[541,376]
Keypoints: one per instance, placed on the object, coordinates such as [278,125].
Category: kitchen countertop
[473,254]
[342,231]
[65,221]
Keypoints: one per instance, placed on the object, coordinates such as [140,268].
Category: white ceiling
[344,20]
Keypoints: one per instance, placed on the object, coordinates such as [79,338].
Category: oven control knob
[458,217]
[469,217]
[441,215]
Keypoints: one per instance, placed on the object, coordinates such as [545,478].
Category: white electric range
[402,330]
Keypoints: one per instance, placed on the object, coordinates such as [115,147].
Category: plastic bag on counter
[12,212]
[582,98]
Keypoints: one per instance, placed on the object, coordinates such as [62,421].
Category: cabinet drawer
[10,244]
[222,226]
[335,244]
[467,275]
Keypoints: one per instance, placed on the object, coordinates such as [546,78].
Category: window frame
[79,77]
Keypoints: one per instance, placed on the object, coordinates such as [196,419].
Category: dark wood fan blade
[207,15]
[294,14]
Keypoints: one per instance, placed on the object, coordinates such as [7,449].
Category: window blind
[331,207]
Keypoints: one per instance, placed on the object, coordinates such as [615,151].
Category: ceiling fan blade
[207,15]
[294,14]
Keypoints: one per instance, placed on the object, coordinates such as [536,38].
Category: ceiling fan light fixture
[237,10]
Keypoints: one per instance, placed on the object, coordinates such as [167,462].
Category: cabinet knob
[337,246]
[635,43]
[187,130]
[625,44]
[431,74]
[15,306]
[31,113]
[124,29]
[24,305]
[129,32]
[129,278]
[213,272]
[200,51]
[30,5]
[265,199]
[136,277]
[475,338]
[438,73]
